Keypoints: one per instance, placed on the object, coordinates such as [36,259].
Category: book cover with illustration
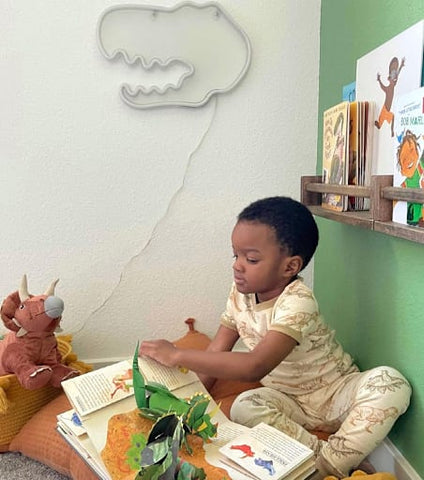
[392,69]
[408,154]
[335,154]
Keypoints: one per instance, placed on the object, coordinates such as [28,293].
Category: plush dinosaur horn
[23,290]
[50,290]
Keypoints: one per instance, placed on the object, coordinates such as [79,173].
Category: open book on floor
[99,395]
[104,393]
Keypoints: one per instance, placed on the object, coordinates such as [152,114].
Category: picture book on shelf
[265,452]
[347,141]
[392,69]
[349,92]
[365,144]
[335,153]
[353,159]
[408,154]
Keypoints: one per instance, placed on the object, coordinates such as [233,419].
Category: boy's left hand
[162,351]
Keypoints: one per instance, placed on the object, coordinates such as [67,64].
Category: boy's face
[260,266]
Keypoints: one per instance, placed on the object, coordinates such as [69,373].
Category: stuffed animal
[30,350]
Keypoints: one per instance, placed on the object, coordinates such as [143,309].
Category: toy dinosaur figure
[30,349]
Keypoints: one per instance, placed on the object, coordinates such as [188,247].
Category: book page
[284,448]
[172,378]
[227,431]
[264,451]
[94,390]
[96,423]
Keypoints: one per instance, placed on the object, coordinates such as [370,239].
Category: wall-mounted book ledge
[379,217]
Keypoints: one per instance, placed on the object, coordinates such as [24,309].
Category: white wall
[133,209]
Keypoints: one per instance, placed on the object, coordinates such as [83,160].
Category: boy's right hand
[162,351]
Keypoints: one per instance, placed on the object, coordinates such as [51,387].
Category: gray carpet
[14,466]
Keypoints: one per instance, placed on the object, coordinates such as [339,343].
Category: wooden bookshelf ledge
[379,217]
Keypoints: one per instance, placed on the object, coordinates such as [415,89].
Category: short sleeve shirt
[316,361]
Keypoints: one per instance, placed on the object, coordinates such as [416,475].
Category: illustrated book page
[99,388]
[263,451]
[99,395]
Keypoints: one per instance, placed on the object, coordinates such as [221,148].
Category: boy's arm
[224,340]
[245,366]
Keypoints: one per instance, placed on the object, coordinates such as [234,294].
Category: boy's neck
[258,300]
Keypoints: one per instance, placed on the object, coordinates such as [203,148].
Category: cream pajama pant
[358,409]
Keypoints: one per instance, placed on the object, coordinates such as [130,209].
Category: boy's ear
[293,265]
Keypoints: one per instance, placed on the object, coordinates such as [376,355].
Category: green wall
[370,286]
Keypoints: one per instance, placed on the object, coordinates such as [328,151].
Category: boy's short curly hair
[294,225]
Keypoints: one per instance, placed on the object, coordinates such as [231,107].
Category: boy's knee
[238,412]
[389,382]
[251,406]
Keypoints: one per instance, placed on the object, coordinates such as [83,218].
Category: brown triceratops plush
[30,350]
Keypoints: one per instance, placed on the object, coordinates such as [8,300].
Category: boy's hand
[162,351]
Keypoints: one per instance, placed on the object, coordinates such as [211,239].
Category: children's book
[88,433]
[349,92]
[392,69]
[335,161]
[265,452]
[98,395]
[408,153]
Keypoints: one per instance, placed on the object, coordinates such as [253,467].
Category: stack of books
[347,152]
